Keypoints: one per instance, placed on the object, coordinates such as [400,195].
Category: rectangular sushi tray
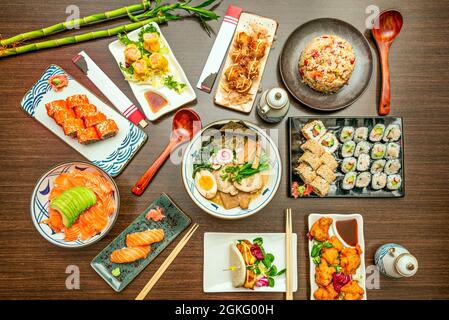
[335,125]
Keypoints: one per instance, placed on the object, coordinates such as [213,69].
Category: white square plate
[216,258]
[174,99]
[111,155]
[313,217]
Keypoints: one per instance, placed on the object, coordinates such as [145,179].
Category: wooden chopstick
[167,263]
[288,255]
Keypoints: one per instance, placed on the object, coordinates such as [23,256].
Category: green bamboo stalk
[71,23]
[83,37]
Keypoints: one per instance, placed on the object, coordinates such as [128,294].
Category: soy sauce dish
[231,169]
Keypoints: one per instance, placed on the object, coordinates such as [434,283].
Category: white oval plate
[39,204]
[256,205]
[175,100]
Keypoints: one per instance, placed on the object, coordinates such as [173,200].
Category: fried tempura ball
[320,229]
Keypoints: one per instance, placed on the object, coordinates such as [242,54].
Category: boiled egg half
[205,184]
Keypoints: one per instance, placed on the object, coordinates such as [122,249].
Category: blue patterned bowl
[257,204]
[40,204]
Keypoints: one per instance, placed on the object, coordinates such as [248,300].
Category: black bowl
[300,38]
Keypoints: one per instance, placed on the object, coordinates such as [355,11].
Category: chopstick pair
[288,254]
[167,263]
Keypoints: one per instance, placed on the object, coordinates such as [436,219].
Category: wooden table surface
[30,267]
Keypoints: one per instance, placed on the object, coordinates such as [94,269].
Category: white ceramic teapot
[273,105]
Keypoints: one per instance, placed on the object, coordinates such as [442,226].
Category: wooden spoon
[386,28]
[186,123]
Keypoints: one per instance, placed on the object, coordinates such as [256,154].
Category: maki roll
[392,166]
[346,134]
[72,126]
[379,181]
[85,110]
[62,115]
[87,136]
[377,133]
[326,173]
[394,182]
[314,130]
[54,106]
[329,160]
[377,166]
[93,119]
[378,151]
[347,150]
[392,151]
[305,172]
[77,100]
[320,186]
[348,164]
[363,180]
[363,162]
[107,129]
[361,134]
[309,158]
[362,147]
[329,142]
[313,146]
[349,181]
[392,133]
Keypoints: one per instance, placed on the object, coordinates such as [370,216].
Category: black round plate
[295,44]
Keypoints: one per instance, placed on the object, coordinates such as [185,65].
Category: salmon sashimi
[126,255]
[144,238]
[72,233]
[92,221]
[54,221]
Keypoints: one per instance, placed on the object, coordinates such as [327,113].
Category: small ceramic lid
[406,265]
[277,98]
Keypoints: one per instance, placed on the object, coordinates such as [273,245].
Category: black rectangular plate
[335,124]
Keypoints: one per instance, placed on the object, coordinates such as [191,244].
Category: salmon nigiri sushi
[77,100]
[144,238]
[87,136]
[54,106]
[126,255]
[107,129]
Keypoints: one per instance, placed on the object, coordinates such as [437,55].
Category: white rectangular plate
[216,258]
[245,21]
[174,99]
[313,217]
[111,155]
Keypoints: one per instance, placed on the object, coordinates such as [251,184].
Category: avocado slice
[72,202]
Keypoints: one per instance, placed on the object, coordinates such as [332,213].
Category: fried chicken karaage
[352,291]
[350,259]
[320,229]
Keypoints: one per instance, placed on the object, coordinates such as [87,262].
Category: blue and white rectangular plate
[174,223]
[111,155]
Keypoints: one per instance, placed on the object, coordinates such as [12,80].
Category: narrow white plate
[216,258]
[111,155]
[174,99]
[361,273]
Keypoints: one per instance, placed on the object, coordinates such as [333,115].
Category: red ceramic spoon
[186,123]
[386,28]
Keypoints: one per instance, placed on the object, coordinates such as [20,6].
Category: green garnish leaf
[259,241]
[128,70]
[281,272]
[316,260]
[270,282]
[172,84]
[268,260]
